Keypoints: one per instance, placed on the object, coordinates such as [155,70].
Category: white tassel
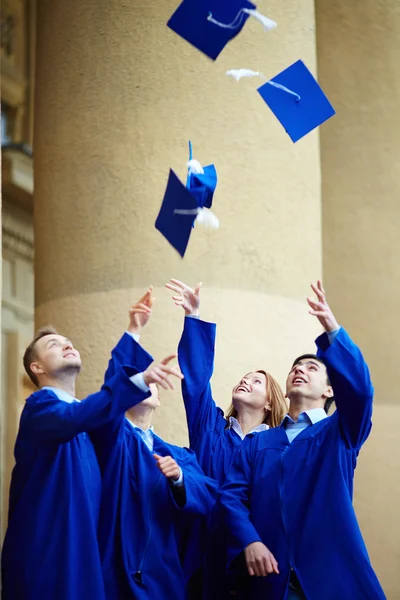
[268,23]
[239,73]
[204,216]
[195,167]
[207,218]
[238,20]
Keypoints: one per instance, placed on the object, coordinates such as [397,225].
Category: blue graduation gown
[143,524]
[297,498]
[50,550]
[214,443]
[146,545]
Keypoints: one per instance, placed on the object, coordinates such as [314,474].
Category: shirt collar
[314,415]
[61,395]
[149,431]
[234,424]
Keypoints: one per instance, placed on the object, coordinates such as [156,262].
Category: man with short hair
[287,500]
[50,550]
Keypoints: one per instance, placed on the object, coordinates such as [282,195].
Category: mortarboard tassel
[205,216]
[237,21]
[237,74]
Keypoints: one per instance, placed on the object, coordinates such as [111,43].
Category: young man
[153,493]
[288,498]
[51,550]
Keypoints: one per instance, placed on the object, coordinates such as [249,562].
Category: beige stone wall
[118,97]
[359,68]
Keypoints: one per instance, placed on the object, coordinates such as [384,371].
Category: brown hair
[30,354]
[279,407]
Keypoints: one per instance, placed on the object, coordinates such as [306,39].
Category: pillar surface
[118,97]
[358,66]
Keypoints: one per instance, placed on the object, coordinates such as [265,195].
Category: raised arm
[46,418]
[348,373]
[128,350]
[234,498]
[196,359]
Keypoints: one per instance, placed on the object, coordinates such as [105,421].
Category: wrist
[192,313]
[134,330]
[331,327]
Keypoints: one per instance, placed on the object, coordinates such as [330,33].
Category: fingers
[161,374]
[319,291]
[168,359]
[274,564]
[140,307]
[260,561]
[168,466]
[197,288]
[146,295]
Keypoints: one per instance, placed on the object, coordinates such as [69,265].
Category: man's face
[55,354]
[251,391]
[308,379]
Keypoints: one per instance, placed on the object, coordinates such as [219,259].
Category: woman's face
[251,391]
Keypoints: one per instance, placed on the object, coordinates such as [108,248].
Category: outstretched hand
[185,296]
[161,373]
[139,313]
[320,308]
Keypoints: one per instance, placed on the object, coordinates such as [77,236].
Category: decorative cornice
[16,242]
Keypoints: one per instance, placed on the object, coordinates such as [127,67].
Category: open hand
[168,467]
[161,373]
[320,308]
[140,312]
[259,560]
[185,296]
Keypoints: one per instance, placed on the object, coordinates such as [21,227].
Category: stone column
[118,97]
[358,65]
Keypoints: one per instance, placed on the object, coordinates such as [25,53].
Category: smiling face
[251,391]
[308,380]
[52,355]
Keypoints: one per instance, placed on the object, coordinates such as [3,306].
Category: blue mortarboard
[182,205]
[297,100]
[210,24]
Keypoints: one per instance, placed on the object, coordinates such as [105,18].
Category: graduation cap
[210,24]
[184,204]
[294,97]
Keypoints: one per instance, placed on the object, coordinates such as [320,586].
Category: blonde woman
[258,403]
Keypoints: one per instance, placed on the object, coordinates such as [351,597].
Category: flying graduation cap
[294,97]
[184,204]
[210,24]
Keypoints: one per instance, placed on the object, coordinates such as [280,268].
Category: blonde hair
[275,397]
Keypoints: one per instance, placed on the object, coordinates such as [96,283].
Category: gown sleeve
[196,360]
[352,387]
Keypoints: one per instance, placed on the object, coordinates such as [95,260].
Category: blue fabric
[214,443]
[176,228]
[298,116]
[145,526]
[297,498]
[50,550]
[190,22]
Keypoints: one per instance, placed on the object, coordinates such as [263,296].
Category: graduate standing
[50,549]
[152,493]
[288,497]
[257,404]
